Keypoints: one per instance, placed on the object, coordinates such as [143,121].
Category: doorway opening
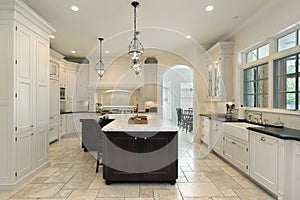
[177,92]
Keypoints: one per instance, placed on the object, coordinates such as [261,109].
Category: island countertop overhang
[155,124]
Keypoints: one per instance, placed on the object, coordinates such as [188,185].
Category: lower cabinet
[236,152]
[71,126]
[140,156]
[216,136]
[63,125]
[31,151]
[264,160]
[296,170]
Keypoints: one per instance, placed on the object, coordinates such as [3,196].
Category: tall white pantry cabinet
[24,93]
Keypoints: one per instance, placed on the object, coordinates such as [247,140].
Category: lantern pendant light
[136,49]
[100,65]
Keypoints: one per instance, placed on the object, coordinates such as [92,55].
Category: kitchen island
[140,152]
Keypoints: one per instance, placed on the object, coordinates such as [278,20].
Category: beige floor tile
[226,198]
[198,190]
[167,195]
[252,194]
[199,165]
[83,195]
[228,192]
[198,177]
[244,182]
[38,191]
[47,172]
[146,193]
[231,171]
[162,186]
[186,169]
[226,183]
[181,179]
[216,163]
[80,181]
[97,183]
[63,193]
[60,177]
[110,198]
[139,198]
[39,180]
[116,190]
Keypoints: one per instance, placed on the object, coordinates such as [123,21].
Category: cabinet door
[297,171]
[242,157]
[229,149]
[24,154]
[71,128]
[263,160]
[123,163]
[25,72]
[63,125]
[42,83]
[216,137]
[54,98]
[159,160]
[42,146]
[71,91]
[62,77]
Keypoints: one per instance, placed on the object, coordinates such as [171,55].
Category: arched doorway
[177,91]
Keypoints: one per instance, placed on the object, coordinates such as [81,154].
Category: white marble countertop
[155,123]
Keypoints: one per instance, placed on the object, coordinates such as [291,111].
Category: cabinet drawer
[53,120]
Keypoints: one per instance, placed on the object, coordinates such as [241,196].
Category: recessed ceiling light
[188,37]
[209,8]
[51,36]
[73,51]
[74,8]
[107,52]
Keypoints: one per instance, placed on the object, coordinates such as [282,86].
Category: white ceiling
[160,21]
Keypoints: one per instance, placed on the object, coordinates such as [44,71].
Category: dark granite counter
[282,133]
[221,118]
[79,112]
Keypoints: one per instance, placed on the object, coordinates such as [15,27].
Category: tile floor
[72,176]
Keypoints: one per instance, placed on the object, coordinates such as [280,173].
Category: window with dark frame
[287,83]
[256,86]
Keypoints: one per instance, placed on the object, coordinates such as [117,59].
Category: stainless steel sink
[238,129]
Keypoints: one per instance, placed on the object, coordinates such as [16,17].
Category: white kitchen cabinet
[82,81]
[220,69]
[296,176]
[236,152]
[54,111]
[71,126]
[25,79]
[63,125]
[216,136]
[71,83]
[54,71]
[264,160]
[205,130]
[24,93]
[62,76]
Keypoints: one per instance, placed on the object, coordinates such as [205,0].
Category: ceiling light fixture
[74,8]
[209,8]
[73,51]
[136,49]
[188,37]
[100,66]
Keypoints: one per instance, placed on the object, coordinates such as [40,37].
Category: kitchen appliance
[62,93]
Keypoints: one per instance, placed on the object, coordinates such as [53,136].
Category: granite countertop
[79,112]
[220,117]
[282,133]
[155,123]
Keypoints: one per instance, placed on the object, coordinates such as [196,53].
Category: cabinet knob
[31,126]
[263,139]
[233,142]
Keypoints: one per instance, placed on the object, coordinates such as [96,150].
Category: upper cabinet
[220,72]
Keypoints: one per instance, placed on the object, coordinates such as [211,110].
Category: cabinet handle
[31,133]
[233,142]
[263,139]
[51,129]
[51,117]
[31,126]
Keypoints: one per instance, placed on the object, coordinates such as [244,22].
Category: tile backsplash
[269,117]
